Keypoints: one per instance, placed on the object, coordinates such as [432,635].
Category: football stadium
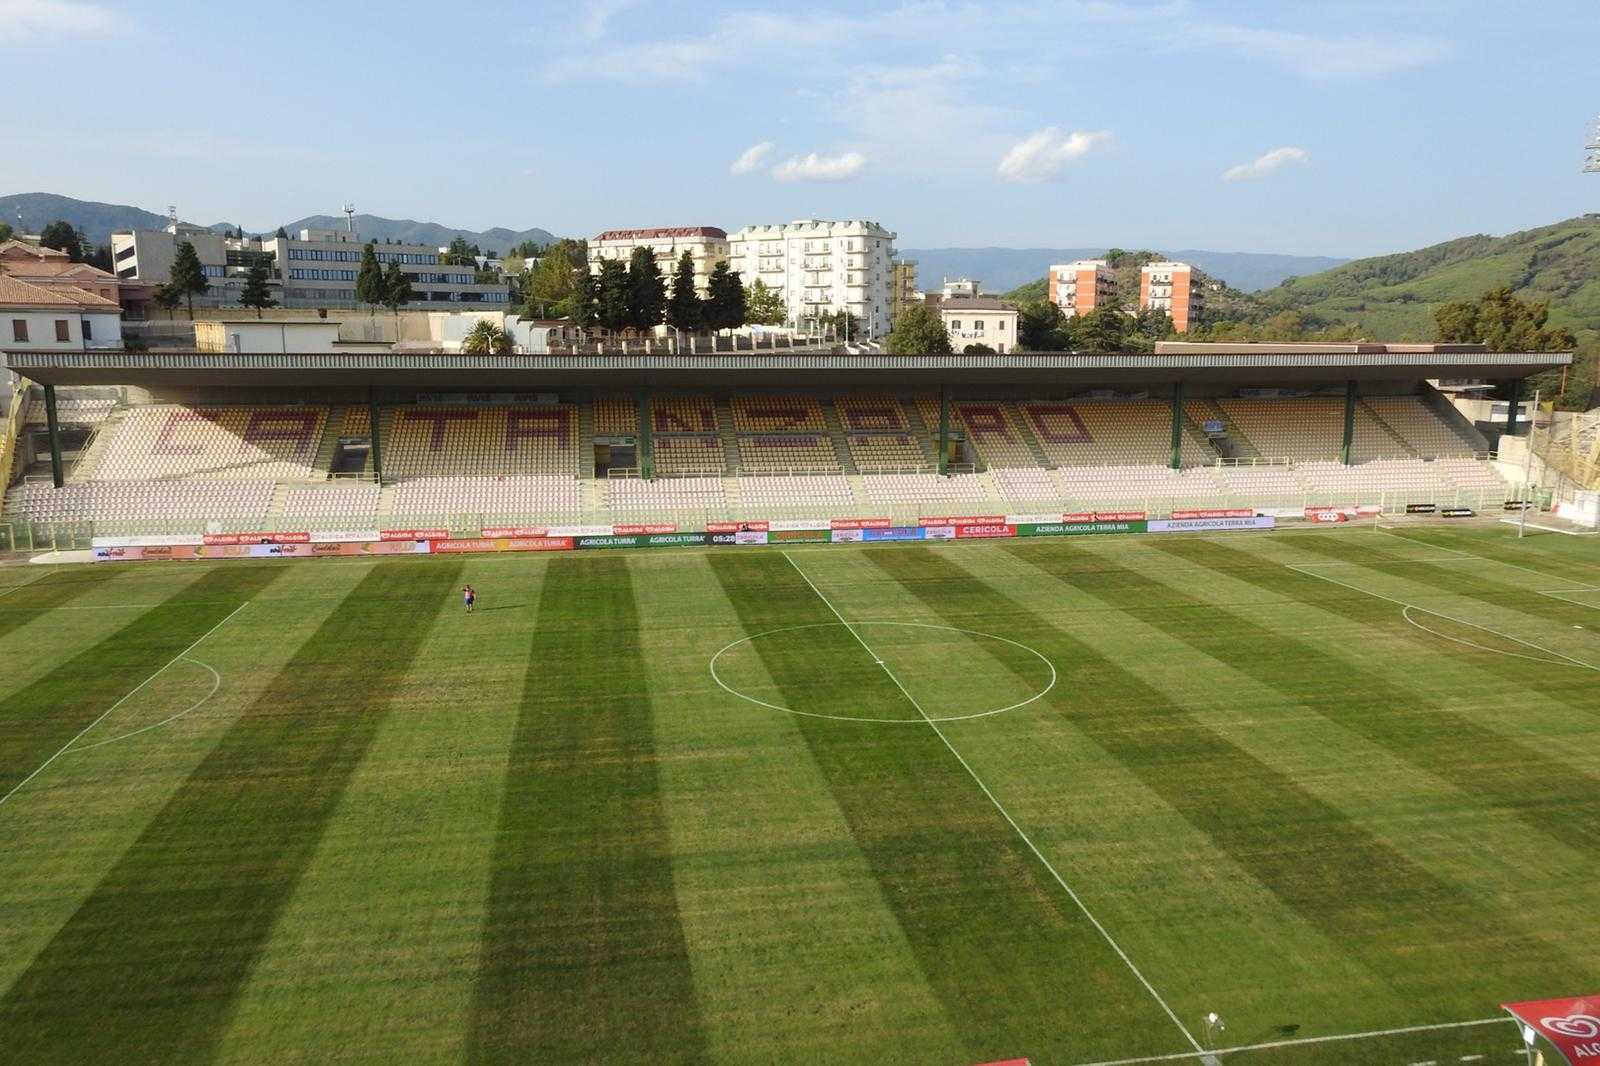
[1231,703]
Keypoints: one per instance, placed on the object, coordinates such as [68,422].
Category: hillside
[98,221]
[409,231]
[1001,269]
[1393,296]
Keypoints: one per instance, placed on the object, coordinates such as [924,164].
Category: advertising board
[860,523]
[1218,512]
[1076,529]
[1422,508]
[798,536]
[846,536]
[1190,525]
[1325,515]
[893,533]
[413,534]
[985,530]
[642,540]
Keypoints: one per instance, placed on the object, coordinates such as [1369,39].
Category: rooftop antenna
[1591,162]
[172,214]
[350,217]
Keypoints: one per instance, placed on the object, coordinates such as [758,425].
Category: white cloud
[595,16]
[751,158]
[24,20]
[1045,154]
[814,167]
[1265,164]
[1325,58]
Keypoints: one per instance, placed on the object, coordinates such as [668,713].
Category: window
[63,331]
[956,325]
[19,330]
[1001,327]
[88,334]
[977,325]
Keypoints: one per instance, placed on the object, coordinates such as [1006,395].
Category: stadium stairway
[1238,445]
[1025,431]
[1198,435]
[733,493]
[586,440]
[94,452]
[730,438]
[841,442]
[329,445]
[1404,445]
[919,429]
[592,494]
[275,506]
[386,502]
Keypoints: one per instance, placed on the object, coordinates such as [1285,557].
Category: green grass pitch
[1324,783]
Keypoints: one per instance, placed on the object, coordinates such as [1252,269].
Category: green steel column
[377,445]
[1177,425]
[646,445]
[55,435]
[944,430]
[1511,408]
[1349,421]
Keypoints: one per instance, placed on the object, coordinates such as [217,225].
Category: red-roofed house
[60,317]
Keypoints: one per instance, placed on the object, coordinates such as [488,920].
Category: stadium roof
[747,370]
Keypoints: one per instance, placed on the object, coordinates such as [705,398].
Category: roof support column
[944,431]
[1511,407]
[54,428]
[1349,420]
[646,443]
[1177,424]
[375,433]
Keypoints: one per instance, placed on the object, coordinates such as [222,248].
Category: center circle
[909,683]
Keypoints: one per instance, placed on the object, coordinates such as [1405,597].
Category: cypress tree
[369,278]
[683,310]
[256,293]
[396,288]
[187,275]
[647,290]
[611,300]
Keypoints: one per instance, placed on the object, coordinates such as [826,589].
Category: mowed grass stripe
[583,956]
[149,966]
[1391,915]
[19,607]
[36,720]
[1540,791]
[1014,963]
[1569,686]
[1497,595]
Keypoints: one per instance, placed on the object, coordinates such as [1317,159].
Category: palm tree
[486,338]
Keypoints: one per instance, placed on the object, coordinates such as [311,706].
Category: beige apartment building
[707,246]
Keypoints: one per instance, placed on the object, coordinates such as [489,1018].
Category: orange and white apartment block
[1078,288]
[1170,287]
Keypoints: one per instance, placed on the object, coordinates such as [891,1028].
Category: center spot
[951,673]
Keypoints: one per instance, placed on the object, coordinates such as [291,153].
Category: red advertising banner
[256,538]
[1325,515]
[990,530]
[860,523]
[721,527]
[1572,1025]
[1224,512]
[656,527]
[964,520]
[1104,516]
[413,534]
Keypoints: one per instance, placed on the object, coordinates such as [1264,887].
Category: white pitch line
[124,699]
[216,683]
[1569,660]
[1078,901]
[1476,556]
[1337,1038]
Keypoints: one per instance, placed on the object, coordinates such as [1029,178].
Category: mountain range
[32,211]
[1003,269]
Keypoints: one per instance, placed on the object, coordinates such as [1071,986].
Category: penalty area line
[124,699]
[1298,1041]
[1012,822]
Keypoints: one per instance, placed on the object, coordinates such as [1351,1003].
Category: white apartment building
[979,320]
[313,268]
[1078,288]
[821,268]
[706,245]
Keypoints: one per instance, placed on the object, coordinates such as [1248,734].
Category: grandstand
[859,435]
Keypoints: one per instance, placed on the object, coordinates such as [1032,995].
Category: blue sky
[1344,127]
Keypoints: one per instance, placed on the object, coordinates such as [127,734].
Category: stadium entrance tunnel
[887,672]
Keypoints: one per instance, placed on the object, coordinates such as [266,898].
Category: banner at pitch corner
[1326,515]
[1571,1025]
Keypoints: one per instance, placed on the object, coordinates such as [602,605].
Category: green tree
[647,289]
[166,297]
[585,303]
[764,306]
[98,256]
[187,276]
[5,231]
[1042,327]
[683,309]
[977,349]
[724,306]
[611,297]
[1103,329]
[1502,321]
[486,338]
[548,289]
[63,238]
[256,293]
[369,278]
[397,290]
[282,233]
[457,254]
[918,331]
